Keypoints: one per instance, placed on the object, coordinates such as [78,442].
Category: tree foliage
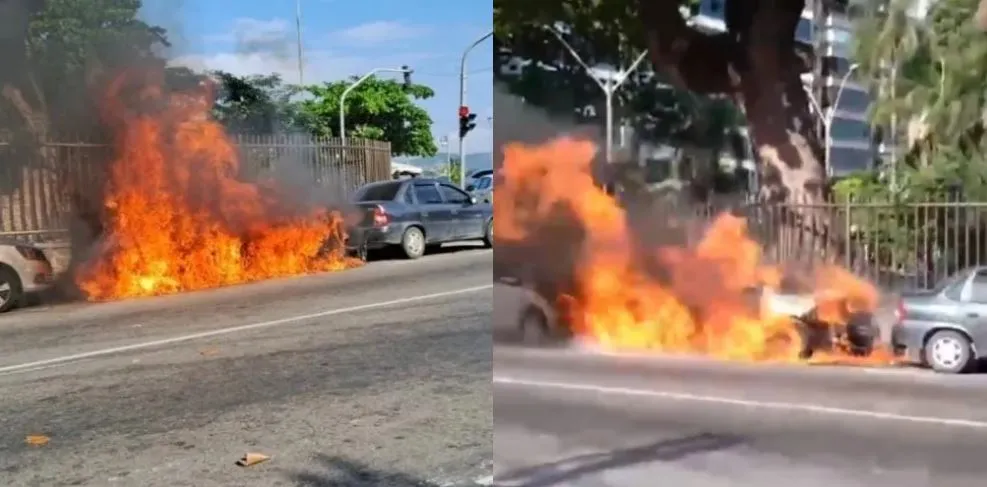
[256,104]
[936,94]
[55,51]
[603,33]
[376,109]
[938,97]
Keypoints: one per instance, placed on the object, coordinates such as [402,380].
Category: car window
[952,286]
[379,192]
[427,194]
[484,183]
[978,288]
[454,195]
[409,198]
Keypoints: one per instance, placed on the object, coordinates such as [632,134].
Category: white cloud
[257,46]
[379,32]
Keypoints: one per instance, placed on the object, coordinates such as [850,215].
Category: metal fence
[896,245]
[41,185]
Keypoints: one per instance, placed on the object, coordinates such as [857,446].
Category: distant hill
[474,161]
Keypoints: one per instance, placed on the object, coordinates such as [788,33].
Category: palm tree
[887,39]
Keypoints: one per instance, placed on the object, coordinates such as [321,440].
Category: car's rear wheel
[413,243]
[11,290]
[949,352]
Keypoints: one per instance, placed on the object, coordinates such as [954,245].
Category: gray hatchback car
[945,328]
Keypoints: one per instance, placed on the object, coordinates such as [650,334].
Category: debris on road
[209,352]
[37,440]
[250,459]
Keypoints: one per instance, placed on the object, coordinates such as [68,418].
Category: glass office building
[853,145]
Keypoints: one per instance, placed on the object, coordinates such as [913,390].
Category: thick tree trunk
[755,62]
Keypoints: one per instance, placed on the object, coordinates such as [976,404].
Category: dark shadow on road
[342,472]
[563,472]
[395,254]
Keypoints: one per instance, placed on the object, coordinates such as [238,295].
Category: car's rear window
[379,192]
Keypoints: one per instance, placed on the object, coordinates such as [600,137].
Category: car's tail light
[900,312]
[380,216]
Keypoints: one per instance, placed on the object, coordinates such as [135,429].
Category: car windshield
[379,192]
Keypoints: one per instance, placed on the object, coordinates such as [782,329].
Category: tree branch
[674,47]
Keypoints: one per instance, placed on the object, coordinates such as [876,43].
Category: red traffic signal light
[464,111]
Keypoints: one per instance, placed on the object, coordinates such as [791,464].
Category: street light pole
[342,98]
[894,128]
[609,87]
[462,103]
[826,116]
[298,28]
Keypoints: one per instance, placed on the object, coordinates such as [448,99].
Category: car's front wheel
[11,291]
[949,352]
[488,235]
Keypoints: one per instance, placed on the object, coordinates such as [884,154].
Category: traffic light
[407,76]
[467,121]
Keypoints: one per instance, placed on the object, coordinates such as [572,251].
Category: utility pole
[610,85]
[298,29]
[462,103]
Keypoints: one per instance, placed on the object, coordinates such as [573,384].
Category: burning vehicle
[715,295]
[176,213]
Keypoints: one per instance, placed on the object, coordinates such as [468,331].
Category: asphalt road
[373,376]
[575,418]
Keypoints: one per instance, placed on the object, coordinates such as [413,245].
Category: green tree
[754,63]
[256,104]
[939,102]
[939,94]
[56,51]
[376,109]
[658,112]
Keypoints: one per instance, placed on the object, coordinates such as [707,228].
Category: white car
[482,188]
[24,269]
[520,313]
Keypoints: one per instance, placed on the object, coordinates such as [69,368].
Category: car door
[465,220]
[433,210]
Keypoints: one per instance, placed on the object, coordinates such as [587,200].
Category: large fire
[698,304]
[178,217]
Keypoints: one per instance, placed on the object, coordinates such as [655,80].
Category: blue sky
[343,38]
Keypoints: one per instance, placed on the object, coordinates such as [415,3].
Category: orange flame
[177,218]
[698,306]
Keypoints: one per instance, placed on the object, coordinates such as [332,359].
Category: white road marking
[33,369]
[25,367]
[779,406]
